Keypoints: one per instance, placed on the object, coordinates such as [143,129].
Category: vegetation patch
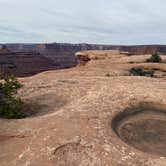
[10,106]
[141,72]
[155,58]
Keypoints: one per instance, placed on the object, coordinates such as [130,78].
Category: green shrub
[141,72]
[10,106]
[155,58]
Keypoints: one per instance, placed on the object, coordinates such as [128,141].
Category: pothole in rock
[72,154]
[44,104]
[143,127]
[35,106]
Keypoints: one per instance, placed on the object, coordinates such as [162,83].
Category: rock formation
[24,64]
[4,50]
[63,54]
[70,48]
[85,56]
[92,115]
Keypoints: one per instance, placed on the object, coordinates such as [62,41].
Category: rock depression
[143,127]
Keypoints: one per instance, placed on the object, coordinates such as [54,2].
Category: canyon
[62,48]
[29,59]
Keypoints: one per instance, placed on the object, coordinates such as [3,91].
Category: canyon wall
[24,64]
[63,53]
[56,49]
[28,59]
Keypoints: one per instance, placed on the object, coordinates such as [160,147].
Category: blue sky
[83,21]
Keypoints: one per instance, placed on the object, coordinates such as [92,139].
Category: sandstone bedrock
[73,125]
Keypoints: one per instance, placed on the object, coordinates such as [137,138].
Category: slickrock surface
[73,114]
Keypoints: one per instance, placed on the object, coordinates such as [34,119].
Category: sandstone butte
[95,114]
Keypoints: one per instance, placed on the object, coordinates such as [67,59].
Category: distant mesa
[4,50]
[40,47]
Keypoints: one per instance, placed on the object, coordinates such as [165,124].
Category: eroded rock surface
[79,131]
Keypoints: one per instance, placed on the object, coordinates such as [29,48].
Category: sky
[124,22]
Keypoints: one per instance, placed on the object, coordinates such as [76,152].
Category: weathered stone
[79,106]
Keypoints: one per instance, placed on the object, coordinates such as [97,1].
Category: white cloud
[95,21]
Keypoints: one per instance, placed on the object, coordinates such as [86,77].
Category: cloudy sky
[83,21]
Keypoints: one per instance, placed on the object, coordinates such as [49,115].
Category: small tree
[10,106]
[155,58]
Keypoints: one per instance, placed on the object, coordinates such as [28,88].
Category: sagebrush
[155,58]
[10,105]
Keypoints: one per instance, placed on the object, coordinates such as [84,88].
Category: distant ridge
[63,47]
[29,59]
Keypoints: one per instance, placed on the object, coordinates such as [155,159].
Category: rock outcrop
[85,56]
[5,51]
[92,115]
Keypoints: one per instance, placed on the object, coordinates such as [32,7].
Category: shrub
[155,58]
[10,106]
[141,72]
